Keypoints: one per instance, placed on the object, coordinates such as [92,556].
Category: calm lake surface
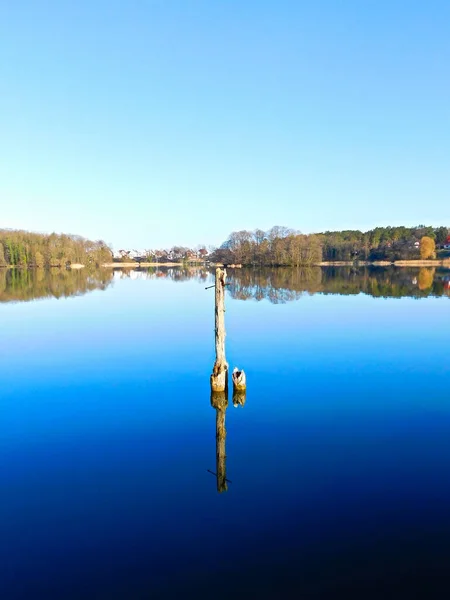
[338,463]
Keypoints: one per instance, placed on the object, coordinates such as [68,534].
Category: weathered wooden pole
[219,377]
[219,401]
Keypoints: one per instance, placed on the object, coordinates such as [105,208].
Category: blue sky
[149,123]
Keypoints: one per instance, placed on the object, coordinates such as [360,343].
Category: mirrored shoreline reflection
[280,285]
[277,285]
[285,285]
[25,285]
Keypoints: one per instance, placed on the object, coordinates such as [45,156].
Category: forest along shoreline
[420,246]
[445,262]
[338,263]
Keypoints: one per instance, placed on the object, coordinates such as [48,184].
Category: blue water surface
[338,463]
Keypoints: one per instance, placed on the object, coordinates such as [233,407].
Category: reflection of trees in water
[286,284]
[425,279]
[21,285]
[280,285]
[172,273]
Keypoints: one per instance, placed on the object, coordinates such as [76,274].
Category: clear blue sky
[154,122]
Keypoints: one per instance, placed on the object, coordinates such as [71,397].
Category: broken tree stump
[219,376]
[239,387]
[239,379]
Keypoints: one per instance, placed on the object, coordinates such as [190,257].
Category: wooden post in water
[219,377]
[219,401]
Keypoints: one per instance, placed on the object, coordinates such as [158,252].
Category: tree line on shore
[281,246]
[26,249]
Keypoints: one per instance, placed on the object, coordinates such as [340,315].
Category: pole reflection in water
[239,397]
[219,401]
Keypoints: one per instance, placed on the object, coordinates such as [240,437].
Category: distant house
[130,255]
[122,254]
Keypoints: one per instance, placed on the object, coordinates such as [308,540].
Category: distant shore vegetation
[25,249]
[279,246]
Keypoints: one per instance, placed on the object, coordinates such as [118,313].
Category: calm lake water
[338,463]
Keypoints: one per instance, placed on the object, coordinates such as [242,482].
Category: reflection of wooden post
[239,397]
[220,371]
[221,457]
[219,400]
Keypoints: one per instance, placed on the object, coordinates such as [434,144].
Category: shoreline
[114,265]
[445,262]
[337,263]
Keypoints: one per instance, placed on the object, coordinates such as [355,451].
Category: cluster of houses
[175,254]
[445,245]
